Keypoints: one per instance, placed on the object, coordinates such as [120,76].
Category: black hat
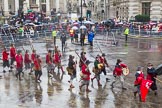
[118,61]
[19,51]
[70,56]
[37,56]
[49,51]
[103,54]
[82,53]
[87,62]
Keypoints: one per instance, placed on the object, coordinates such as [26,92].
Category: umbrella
[75,23]
[74,28]
[30,24]
[88,22]
[158,70]
[83,27]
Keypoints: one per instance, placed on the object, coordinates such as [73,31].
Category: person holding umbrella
[82,37]
[151,75]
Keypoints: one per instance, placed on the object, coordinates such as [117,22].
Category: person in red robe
[139,77]
[27,60]
[50,66]
[5,59]
[57,61]
[33,56]
[12,55]
[38,68]
[118,73]
[85,76]
[19,64]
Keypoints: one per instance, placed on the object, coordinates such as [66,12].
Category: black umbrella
[158,70]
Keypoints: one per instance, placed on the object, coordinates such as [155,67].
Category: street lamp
[82,4]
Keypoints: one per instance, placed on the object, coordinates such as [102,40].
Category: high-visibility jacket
[54,33]
[126,31]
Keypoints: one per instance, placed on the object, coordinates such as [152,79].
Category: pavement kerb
[142,37]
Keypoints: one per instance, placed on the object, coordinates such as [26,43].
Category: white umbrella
[30,24]
[75,23]
[83,27]
[120,23]
[74,28]
[88,22]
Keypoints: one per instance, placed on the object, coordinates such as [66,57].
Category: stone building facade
[12,6]
[128,9]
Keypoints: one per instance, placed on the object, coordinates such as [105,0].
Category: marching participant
[143,85]
[139,76]
[38,68]
[151,75]
[19,64]
[5,59]
[50,66]
[33,56]
[85,76]
[103,61]
[71,70]
[57,61]
[118,73]
[12,55]
[97,71]
[82,59]
[27,60]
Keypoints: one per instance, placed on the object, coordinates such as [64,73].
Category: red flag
[145,85]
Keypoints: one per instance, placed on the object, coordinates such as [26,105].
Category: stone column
[25,9]
[5,7]
[47,7]
[27,2]
[57,5]
[16,6]
[38,3]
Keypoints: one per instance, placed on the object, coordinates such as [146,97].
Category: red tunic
[12,52]
[19,61]
[56,58]
[48,59]
[26,58]
[118,69]
[37,64]
[85,72]
[33,56]
[5,56]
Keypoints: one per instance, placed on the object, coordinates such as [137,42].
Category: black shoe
[112,86]
[124,88]
[30,73]
[155,93]
[10,70]
[40,80]
[4,71]
[107,80]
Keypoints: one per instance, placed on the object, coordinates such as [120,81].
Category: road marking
[148,51]
[116,53]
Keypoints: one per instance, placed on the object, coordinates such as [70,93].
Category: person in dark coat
[151,75]
[63,40]
[90,38]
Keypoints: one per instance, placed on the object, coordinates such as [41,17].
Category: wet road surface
[54,93]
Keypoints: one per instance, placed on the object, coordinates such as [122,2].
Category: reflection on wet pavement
[54,93]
